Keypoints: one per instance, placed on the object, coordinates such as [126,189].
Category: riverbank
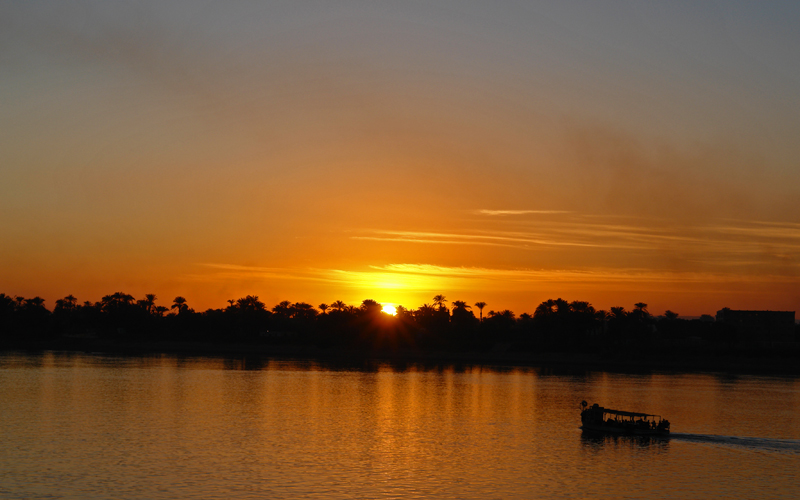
[500,355]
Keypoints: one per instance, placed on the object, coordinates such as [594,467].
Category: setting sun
[389,309]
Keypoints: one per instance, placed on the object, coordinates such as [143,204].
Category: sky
[504,152]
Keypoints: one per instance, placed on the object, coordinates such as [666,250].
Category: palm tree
[505,313]
[370,306]
[323,307]
[149,302]
[562,307]
[545,309]
[438,301]
[6,303]
[618,312]
[303,310]
[425,310]
[116,302]
[640,310]
[283,308]
[339,305]
[480,305]
[460,305]
[249,303]
[179,303]
[581,307]
[68,303]
[34,303]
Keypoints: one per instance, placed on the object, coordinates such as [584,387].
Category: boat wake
[752,443]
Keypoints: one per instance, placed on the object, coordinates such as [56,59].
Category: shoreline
[570,361]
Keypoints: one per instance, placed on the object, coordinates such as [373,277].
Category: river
[83,426]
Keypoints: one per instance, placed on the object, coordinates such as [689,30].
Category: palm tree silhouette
[618,312]
[545,309]
[283,308]
[439,301]
[370,306]
[249,303]
[339,305]
[505,313]
[116,302]
[424,310]
[68,303]
[460,304]
[323,307]
[150,302]
[640,310]
[303,310]
[179,303]
[480,305]
[35,302]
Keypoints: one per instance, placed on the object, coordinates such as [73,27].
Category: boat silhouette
[596,418]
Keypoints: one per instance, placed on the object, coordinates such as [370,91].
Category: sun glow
[389,309]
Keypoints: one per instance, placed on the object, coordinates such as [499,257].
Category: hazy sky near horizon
[508,152]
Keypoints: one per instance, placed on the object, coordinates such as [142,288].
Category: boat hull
[623,430]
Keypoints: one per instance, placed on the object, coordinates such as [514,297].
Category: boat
[595,418]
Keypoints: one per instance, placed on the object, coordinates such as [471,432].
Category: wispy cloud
[720,239]
[239,268]
[373,278]
[433,241]
[770,232]
[416,278]
[231,272]
[520,212]
[497,238]
[728,251]
[551,275]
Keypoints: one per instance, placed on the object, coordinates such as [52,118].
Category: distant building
[759,325]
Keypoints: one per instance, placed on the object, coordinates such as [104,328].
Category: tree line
[555,324]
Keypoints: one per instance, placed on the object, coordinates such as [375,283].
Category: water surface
[95,426]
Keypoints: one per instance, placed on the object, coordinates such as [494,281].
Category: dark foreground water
[85,426]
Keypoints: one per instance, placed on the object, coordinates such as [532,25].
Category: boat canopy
[629,413]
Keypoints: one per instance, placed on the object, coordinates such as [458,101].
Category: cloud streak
[496,238]
[717,239]
[422,277]
[561,275]
[520,212]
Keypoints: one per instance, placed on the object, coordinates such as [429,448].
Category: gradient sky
[508,152]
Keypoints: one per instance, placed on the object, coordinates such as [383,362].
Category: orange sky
[507,153]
